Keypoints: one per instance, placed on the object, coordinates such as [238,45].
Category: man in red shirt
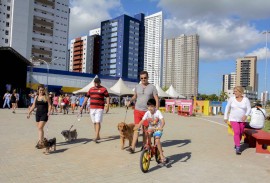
[97,94]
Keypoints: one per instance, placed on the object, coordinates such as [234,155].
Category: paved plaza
[200,147]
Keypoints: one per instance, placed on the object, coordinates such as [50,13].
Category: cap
[50,93]
[97,80]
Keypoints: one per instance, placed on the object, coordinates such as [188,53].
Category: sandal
[130,150]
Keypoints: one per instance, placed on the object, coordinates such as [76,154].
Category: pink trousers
[238,129]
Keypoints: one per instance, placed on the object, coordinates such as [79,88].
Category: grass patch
[267,126]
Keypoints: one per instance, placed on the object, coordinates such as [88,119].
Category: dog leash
[125,115]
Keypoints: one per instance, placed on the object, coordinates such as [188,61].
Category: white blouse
[237,109]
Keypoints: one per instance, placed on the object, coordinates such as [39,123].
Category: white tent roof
[90,85]
[120,88]
[173,93]
[161,93]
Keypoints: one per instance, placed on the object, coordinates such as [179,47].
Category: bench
[183,113]
[257,138]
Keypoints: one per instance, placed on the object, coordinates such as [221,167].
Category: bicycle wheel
[157,156]
[145,160]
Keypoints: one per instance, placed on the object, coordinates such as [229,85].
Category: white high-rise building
[153,47]
[37,29]
[181,64]
[229,82]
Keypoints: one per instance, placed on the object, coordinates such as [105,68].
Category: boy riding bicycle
[156,123]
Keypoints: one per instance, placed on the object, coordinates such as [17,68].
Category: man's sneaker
[238,151]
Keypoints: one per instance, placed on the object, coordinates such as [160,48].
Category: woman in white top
[239,108]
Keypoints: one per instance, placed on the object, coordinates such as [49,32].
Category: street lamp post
[48,68]
[265,76]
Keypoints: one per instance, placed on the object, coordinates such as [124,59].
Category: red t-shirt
[97,95]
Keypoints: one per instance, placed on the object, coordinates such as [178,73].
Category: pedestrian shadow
[245,146]
[76,141]
[183,157]
[168,143]
[109,138]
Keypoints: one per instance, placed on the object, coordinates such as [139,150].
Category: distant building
[85,54]
[36,29]
[94,32]
[264,97]
[229,82]
[246,73]
[181,64]
[122,46]
[153,50]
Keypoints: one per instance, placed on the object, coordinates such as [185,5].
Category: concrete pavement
[201,148]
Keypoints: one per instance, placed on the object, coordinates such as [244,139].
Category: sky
[228,29]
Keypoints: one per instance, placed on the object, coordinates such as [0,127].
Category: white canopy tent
[120,88]
[90,85]
[173,93]
[161,93]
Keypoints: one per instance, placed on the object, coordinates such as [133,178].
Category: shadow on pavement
[76,141]
[183,157]
[59,151]
[109,138]
[168,143]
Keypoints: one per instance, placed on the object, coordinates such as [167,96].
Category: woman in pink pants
[238,108]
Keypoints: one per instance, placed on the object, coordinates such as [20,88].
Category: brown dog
[126,132]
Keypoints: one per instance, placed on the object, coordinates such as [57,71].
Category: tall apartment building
[122,46]
[153,51]
[84,54]
[246,73]
[229,82]
[36,29]
[181,64]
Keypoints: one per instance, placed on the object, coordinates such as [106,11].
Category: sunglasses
[144,78]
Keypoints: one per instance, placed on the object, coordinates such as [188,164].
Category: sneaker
[238,151]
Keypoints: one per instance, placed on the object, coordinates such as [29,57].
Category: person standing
[97,94]
[73,99]
[239,108]
[143,92]
[6,99]
[13,100]
[43,105]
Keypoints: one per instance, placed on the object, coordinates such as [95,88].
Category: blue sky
[228,29]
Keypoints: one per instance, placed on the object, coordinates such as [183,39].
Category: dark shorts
[41,117]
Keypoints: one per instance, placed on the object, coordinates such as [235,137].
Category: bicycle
[149,150]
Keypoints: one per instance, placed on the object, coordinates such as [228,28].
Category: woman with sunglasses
[43,105]
[143,92]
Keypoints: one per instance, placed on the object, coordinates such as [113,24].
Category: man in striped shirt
[97,94]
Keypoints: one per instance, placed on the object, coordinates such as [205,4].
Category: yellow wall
[202,106]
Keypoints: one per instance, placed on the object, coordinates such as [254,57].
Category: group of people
[11,98]
[146,113]
[237,111]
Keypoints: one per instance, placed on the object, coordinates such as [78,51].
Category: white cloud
[260,53]
[86,15]
[223,25]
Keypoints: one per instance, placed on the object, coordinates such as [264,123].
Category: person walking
[143,92]
[6,99]
[13,100]
[43,105]
[97,94]
[239,108]
[73,99]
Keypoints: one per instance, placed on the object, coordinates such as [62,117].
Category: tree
[223,96]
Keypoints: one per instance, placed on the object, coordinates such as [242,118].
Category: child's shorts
[157,134]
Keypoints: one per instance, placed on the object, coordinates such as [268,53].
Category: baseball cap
[97,80]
